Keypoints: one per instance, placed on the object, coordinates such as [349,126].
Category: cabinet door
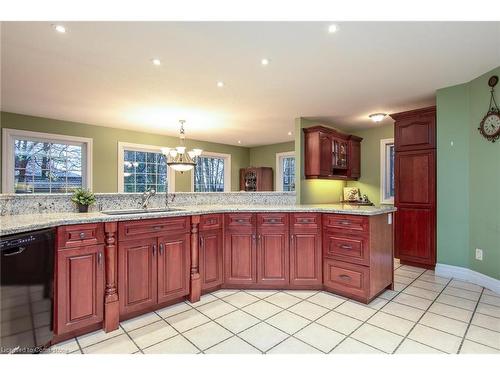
[273,254]
[211,253]
[79,288]
[305,258]
[325,154]
[174,261]
[415,130]
[137,279]
[354,162]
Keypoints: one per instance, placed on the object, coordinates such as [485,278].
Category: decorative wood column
[111,307]
[195,289]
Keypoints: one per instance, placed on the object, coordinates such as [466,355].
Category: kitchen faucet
[146,196]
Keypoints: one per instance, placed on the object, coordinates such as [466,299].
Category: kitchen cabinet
[256,179]
[305,250]
[211,252]
[79,279]
[329,154]
[154,266]
[415,187]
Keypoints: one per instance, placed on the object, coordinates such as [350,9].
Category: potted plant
[83,199]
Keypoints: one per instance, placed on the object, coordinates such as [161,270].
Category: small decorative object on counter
[83,199]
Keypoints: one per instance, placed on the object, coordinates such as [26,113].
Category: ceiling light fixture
[177,158]
[289,133]
[264,61]
[333,28]
[377,117]
[59,28]
[156,62]
[220,84]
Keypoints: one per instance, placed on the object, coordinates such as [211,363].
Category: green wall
[369,183]
[265,156]
[105,148]
[312,191]
[468,179]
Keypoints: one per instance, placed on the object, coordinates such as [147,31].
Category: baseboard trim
[466,274]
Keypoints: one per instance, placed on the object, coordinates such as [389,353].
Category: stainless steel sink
[140,211]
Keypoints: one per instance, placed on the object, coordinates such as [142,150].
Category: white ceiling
[101,73]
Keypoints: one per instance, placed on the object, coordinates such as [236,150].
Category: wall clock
[490,125]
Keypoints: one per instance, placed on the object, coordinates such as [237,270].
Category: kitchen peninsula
[110,268]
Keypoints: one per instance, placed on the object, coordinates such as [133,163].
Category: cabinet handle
[201,242]
[240,220]
[348,247]
[272,221]
[99,258]
[304,221]
[82,235]
[345,277]
[158,227]
[154,250]
[253,237]
[161,249]
[291,238]
[260,237]
[344,222]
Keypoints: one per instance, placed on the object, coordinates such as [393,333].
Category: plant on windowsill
[83,199]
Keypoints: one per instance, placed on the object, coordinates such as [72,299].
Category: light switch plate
[479,254]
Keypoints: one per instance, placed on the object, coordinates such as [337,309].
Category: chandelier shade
[177,158]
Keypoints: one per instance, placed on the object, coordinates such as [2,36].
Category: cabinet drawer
[348,223]
[347,248]
[80,235]
[138,229]
[346,278]
[305,220]
[208,222]
[274,220]
[240,220]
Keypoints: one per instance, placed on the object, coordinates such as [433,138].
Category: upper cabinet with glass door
[329,154]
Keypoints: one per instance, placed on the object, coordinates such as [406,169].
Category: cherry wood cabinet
[211,251]
[305,250]
[329,154]
[79,294]
[256,179]
[415,187]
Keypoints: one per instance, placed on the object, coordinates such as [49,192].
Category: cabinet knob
[99,258]
[82,235]
[154,250]
[347,247]
[161,249]
[345,277]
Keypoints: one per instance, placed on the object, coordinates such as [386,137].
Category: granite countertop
[11,224]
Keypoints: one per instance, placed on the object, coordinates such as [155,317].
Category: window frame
[384,170]
[122,146]
[227,169]
[279,171]
[8,168]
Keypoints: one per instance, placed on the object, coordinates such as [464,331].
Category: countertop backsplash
[19,204]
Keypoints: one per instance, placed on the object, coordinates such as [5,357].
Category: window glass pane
[389,171]
[144,170]
[209,174]
[47,167]
[288,173]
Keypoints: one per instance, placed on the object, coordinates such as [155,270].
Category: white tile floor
[427,314]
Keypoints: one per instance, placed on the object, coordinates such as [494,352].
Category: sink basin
[140,211]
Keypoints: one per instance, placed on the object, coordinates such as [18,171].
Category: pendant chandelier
[177,158]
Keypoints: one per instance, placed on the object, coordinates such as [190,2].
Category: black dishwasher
[26,294]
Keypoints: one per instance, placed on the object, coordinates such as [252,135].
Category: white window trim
[8,137]
[227,169]
[279,172]
[122,146]
[384,170]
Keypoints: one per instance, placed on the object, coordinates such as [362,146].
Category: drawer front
[272,220]
[139,229]
[348,223]
[208,222]
[80,235]
[240,221]
[305,220]
[346,278]
[347,248]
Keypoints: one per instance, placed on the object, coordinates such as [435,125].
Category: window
[35,162]
[285,175]
[387,171]
[141,167]
[212,172]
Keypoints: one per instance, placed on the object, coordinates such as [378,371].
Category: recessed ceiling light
[333,28]
[220,84]
[59,28]
[377,117]
[239,142]
[289,133]
[156,62]
[264,61]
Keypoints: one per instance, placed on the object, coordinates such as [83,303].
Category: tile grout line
[470,322]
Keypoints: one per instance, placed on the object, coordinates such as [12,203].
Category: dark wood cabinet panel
[305,259]
[415,130]
[173,266]
[273,258]
[349,248]
[137,275]
[330,154]
[415,177]
[256,179]
[80,235]
[240,258]
[79,299]
[211,258]
[347,278]
[137,229]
